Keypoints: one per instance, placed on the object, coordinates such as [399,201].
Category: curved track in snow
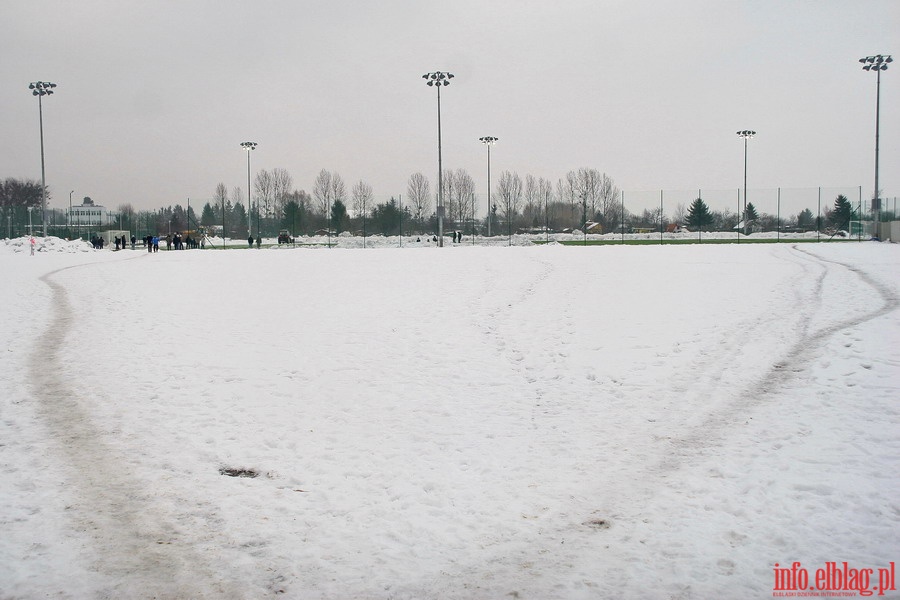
[129,531]
[800,351]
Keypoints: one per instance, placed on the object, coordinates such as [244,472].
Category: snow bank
[44,244]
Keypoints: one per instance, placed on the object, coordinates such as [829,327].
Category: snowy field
[542,422]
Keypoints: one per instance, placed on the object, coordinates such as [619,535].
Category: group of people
[180,242]
[121,241]
[152,243]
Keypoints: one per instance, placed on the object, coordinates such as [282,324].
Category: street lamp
[248,146]
[746,134]
[877,63]
[69,220]
[438,79]
[41,89]
[489,141]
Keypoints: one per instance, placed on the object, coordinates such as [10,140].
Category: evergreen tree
[698,215]
[842,213]
[294,218]
[239,219]
[387,217]
[751,215]
[179,218]
[338,215]
[805,219]
[208,216]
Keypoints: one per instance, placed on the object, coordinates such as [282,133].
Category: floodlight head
[430,83]
[450,75]
[30,86]
[888,58]
[867,67]
[862,60]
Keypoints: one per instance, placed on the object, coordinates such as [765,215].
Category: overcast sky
[154,97]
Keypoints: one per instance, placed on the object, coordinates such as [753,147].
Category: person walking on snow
[32,242]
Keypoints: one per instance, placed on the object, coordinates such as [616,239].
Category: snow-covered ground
[468,422]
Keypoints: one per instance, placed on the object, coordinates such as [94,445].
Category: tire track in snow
[137,549]
[794,361]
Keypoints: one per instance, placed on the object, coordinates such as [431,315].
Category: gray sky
[154,97]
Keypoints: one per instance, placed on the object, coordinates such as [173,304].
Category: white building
[88,214]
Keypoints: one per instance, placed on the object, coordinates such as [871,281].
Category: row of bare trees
[515,203]
[582,196]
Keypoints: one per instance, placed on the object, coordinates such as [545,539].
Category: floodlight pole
[439,78]
[248,146]
[746,134]
[41,89]
[489,141]
[877,63]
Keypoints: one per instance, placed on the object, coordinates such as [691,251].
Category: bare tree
[461,197]
[419,194]
[362,198]
[219,196]
[609,207]
[237,196]
[282,182]
[532,210]
[545,198]
[322,192]
[587,191]
[126,213]
[566,196]
[338,189]
[302,198]
[509,196]
[264,186]
[679,217]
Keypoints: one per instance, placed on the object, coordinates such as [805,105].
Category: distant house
[675,228]
[88,214]
[592,227]
[752,227]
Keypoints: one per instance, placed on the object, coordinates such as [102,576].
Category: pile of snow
[44,244]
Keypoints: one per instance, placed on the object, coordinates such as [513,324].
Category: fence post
[778,216]
[660,217]
[819,217]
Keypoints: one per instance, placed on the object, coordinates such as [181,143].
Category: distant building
[88,214]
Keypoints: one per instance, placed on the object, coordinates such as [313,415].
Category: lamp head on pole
[878,62]
[438,78]
[249,145]
[41,88]
[746,134]
[489,140]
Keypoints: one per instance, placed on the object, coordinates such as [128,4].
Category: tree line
[584,197]
[699,217]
